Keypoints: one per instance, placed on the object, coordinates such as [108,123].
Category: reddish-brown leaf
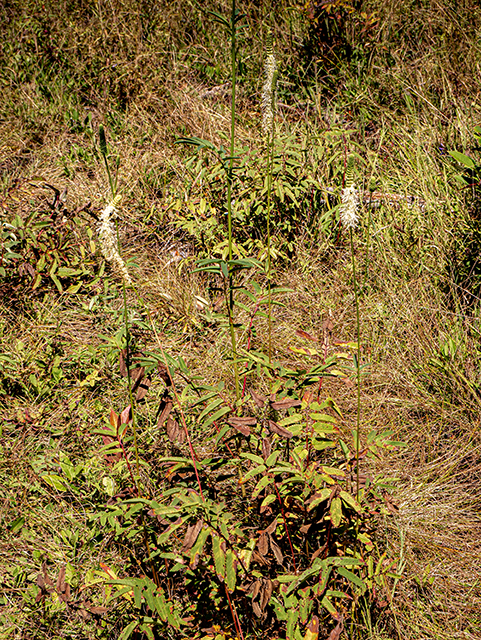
[164,374]
[307,336]
[276,550]
[266,448]
[123,363]
[63,588]
[272,527]
[247,420]
[256,587]
[256,609]
[191,535]
[44,582]
[97,611]
[48,582]
[336,633]
[256,557]
[275,428]
[126,415]
[114,419]
[328,325]
[259,399]
[174,431]
[165,408]
[61,580]
[312,631]
[136,376]
[266,593]
[242,424]
[263,544]
[143,389]
[285,403]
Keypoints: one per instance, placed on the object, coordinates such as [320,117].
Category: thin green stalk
[104,152]
[358,337]
[366,268]
[127,340]
[268,107]
[270,161]
[131,398]
[230,298]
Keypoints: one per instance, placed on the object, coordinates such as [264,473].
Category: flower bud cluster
[108,242]
[348,210]
[268,92]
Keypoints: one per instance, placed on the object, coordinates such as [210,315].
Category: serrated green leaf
[147,629]
[150,598]
[161,606]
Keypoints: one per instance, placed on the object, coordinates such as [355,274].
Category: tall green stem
[358,337]
[270,161]
[127,348]
[230,301]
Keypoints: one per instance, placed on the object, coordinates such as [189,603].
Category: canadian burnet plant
[268,121]
[349,216]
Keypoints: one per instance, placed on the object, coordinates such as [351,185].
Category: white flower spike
[269,88]
[108,242]
[349,207]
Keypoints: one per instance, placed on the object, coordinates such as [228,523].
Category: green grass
[398,91]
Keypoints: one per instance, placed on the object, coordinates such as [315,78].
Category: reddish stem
[226,444]
[235,617]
